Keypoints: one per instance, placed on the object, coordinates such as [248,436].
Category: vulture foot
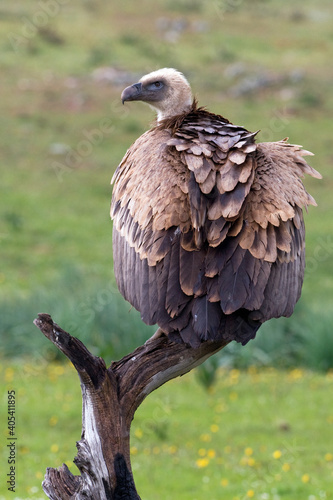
[158,334]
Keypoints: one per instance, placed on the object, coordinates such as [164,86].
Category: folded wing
[208,228]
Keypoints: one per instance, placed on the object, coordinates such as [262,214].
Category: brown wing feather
[208,228]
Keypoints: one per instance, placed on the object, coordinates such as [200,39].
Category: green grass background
[257,433]
[263,64]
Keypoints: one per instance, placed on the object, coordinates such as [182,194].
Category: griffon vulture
[208,231]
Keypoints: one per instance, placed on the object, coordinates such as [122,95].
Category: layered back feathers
[208,227]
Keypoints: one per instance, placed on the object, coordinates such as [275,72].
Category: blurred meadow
[263,64]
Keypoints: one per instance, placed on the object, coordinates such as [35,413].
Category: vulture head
[166,90]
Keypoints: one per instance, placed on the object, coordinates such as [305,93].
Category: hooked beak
[132,93]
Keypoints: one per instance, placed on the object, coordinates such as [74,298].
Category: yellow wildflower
[211,454]
[9,374]
[202,462]
[252,370]
[59,369]
[138,433]
[296,374]
[53,421]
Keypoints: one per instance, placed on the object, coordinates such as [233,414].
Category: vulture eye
[155,85]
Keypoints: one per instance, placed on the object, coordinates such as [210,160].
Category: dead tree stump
[110,397]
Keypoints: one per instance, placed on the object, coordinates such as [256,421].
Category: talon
[158,334]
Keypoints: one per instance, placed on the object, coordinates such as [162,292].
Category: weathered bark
[110,397]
